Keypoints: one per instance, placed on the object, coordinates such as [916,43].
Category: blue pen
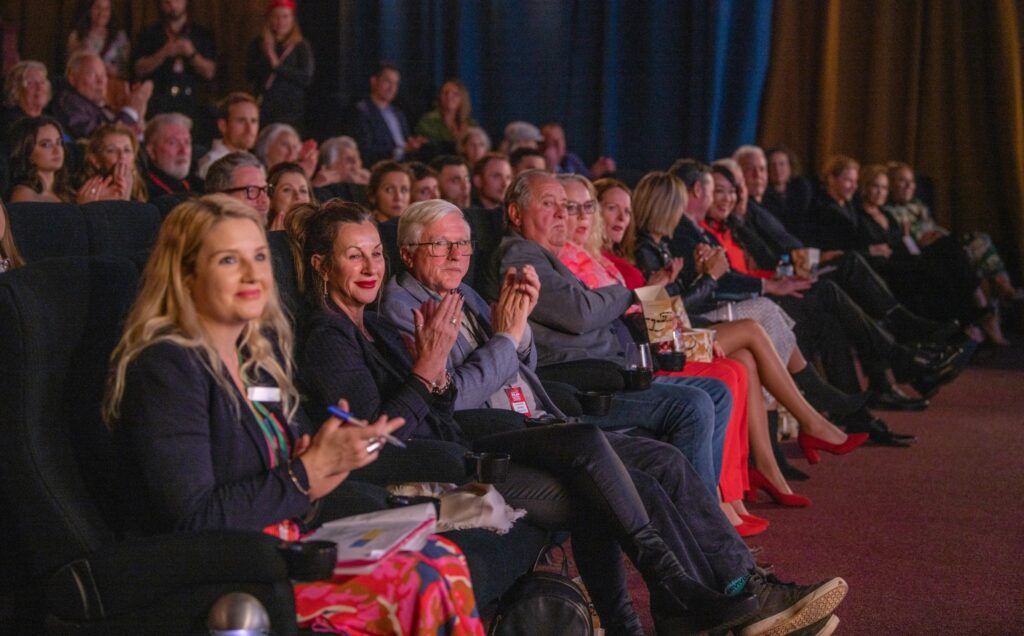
[355,421]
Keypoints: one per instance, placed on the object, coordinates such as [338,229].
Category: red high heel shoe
[810,445]
[751,526]
[759,481]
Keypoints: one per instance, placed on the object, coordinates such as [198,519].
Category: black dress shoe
[893,399]
[877,430]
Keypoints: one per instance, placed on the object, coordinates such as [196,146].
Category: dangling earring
[323,287]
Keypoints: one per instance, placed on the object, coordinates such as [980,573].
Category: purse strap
[549,547]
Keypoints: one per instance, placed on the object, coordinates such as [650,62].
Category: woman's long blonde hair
[165,312]
[8,249]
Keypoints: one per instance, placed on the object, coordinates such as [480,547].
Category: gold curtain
[935,83]
[43,27]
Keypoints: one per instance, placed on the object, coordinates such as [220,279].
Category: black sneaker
[785,608]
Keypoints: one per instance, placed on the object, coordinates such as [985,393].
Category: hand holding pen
[355,421]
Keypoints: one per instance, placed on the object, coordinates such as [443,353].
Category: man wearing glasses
[241,175]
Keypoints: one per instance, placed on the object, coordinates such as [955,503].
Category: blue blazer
[477,373]
[373,134]
[195,454]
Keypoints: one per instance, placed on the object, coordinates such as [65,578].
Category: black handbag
[543,604]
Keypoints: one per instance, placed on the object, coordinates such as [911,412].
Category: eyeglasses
[446,248]
[572,208]
[252,192]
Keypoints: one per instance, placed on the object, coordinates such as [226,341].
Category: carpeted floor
[931,538]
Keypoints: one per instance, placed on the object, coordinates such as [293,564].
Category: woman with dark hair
[37,161]
[95,30]
[280,66]
[450,120]
[289,187]
[10,257]
[350,349]
[204,451]
[113,151]
[389,190]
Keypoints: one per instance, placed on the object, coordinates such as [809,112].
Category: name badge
[517,400]
[264,394]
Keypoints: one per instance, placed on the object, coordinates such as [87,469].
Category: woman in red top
[724,196]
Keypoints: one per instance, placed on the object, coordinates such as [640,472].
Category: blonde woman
[207,451]
[113,151]
[10,257]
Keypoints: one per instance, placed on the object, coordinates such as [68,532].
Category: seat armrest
[141,572]
[586,375]
[564,397]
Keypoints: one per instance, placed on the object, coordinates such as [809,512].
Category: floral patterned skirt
[422,593]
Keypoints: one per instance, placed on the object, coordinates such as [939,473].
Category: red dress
[734,480]
[413,593]
[734,252]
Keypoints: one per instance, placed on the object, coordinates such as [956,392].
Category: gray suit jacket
[570,321]
[477,373]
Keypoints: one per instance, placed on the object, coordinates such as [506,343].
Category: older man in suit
[492,365]
[381,127]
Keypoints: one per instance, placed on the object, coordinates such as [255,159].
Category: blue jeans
[688,413]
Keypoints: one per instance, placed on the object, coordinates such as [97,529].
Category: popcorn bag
[805,260]
[698,344]
[662,313]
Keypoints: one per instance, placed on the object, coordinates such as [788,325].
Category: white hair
[421,214]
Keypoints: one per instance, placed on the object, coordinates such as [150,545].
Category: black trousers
[874,345]
[855,275]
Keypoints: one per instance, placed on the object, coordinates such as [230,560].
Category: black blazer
[195,455]
[732,285]
[373,134]
[336,362]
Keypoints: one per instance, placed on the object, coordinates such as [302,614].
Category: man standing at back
[178,55]
[381,127]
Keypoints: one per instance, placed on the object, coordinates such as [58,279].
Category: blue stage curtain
[644,81]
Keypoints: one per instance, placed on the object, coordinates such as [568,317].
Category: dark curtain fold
[936,83]
[628,79]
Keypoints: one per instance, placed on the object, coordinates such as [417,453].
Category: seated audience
[278,143]
[616,506]
[450,120]
[473,144]
[113,151]
[389,190]
[940,275]
[821,310]
[288,187]
[381,127]
[340,163]
[238,121]
[27,92]
[913,215]
[766,241]
[559,159]
[523,159]
[280,65]
[179,406]
[581,255]
[492,174]
[424,182]
[453,179]
[168,142]
[96,30]
[82,109]
[37,164]
[10,257]
[242,176]
[574,324]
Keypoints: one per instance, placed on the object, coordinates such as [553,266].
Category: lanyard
[272,429]
[163,186]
